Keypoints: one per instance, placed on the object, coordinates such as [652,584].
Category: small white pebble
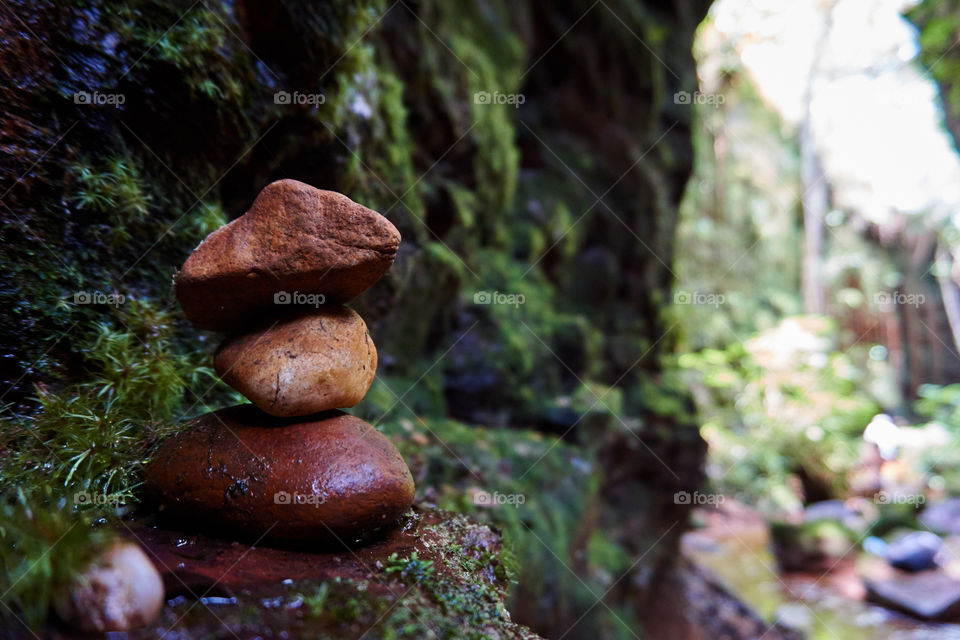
[119,591]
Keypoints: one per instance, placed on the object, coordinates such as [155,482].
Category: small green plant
[113,189]
[784,402]
[410,570]
[314,601]
[78,458]
[140,368]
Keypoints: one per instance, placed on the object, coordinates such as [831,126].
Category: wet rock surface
[323,479]
[295,240]
[914,551]
[928,595]
[304,364]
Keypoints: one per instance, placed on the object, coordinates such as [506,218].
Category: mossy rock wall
[524,149]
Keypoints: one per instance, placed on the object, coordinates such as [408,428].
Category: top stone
[294,241]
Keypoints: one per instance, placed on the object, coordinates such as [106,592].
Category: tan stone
[304,364]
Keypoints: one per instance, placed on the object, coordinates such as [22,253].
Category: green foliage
[740,235]
[207,218]
[939,25]
[132,376]
[79,457]
[486,57]
[939,465]
[193,42]
[941,404]
[782,402]
[76,443]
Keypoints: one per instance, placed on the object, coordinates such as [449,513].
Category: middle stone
[304,364]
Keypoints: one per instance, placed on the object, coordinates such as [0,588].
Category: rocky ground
[732,552]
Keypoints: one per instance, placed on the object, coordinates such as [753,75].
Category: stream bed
[824,607]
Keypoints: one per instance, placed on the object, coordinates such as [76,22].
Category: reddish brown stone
[295,239]
[300,365]
[332,477]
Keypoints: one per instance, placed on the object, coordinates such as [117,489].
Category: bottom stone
[329,477]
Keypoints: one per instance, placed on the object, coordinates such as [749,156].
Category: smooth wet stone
[331,477]
[120,590]
[914,551]
[300,365]
[928,595]
[294,245]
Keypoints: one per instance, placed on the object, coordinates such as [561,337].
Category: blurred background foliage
[784,398]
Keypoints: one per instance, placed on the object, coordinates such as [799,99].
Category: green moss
[410,570]
[545,532]
[457,593]
[113,191]
[193,43]
[95,436]
[372,115]
[467,588]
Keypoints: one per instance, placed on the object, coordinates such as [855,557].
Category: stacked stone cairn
[291,467]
